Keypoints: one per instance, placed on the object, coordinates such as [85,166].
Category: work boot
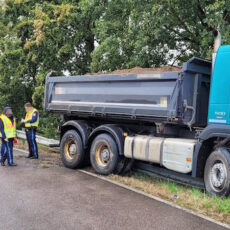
[12,165]
[34,157]
[29,156]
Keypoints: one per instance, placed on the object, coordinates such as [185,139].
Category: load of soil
[140,70]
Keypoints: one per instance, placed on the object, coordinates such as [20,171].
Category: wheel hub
[105,155]
[218,175]
[72,149]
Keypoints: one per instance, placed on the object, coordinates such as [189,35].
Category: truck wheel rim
[218,176]
[70,149]
[103,155]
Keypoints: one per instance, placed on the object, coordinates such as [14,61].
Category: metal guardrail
[40,140]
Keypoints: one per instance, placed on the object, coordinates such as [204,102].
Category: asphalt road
[36,197]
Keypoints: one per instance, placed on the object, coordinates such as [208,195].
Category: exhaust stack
[217,44]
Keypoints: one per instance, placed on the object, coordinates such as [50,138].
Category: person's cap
[6,109]
[28,104]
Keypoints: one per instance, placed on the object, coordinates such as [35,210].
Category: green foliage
[39,36]
[98,35]
[49,125]
[153,33]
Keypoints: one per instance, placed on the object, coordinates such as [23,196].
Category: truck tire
[124,165]
[72,151]
[128,166]
[217,173]
[120,165]
[104,156]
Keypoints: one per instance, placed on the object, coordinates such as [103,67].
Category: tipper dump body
[179,97]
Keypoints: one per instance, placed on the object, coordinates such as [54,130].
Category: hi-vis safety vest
[29,116]
[9,127]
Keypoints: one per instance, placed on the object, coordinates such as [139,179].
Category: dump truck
[177,120]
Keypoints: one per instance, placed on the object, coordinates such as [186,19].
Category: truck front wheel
[72,151]
[104,155]
[217,173]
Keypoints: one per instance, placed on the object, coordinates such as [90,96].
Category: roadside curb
[147,195]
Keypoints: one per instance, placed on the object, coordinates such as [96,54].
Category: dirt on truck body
[140,70]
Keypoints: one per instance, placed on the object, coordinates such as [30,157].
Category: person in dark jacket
[8,133]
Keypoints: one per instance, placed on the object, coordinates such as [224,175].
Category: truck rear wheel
[217,173]
[104,155]
[72,151]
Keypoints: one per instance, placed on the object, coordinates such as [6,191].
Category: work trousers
[3,151]
[31,139]
[7,151]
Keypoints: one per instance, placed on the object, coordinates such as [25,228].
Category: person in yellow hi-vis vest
[8,134]
[3,148]
[31,122]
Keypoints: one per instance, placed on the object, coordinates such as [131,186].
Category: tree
[39,36]
[153,33]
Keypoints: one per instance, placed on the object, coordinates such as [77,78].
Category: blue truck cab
[211,159]
[219,102]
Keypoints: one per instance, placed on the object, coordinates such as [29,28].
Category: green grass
[223,205]
[196,192]
[172,187]
[207,203]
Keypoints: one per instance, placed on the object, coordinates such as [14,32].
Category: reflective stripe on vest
[9,127]
[2,121]
[29,116]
